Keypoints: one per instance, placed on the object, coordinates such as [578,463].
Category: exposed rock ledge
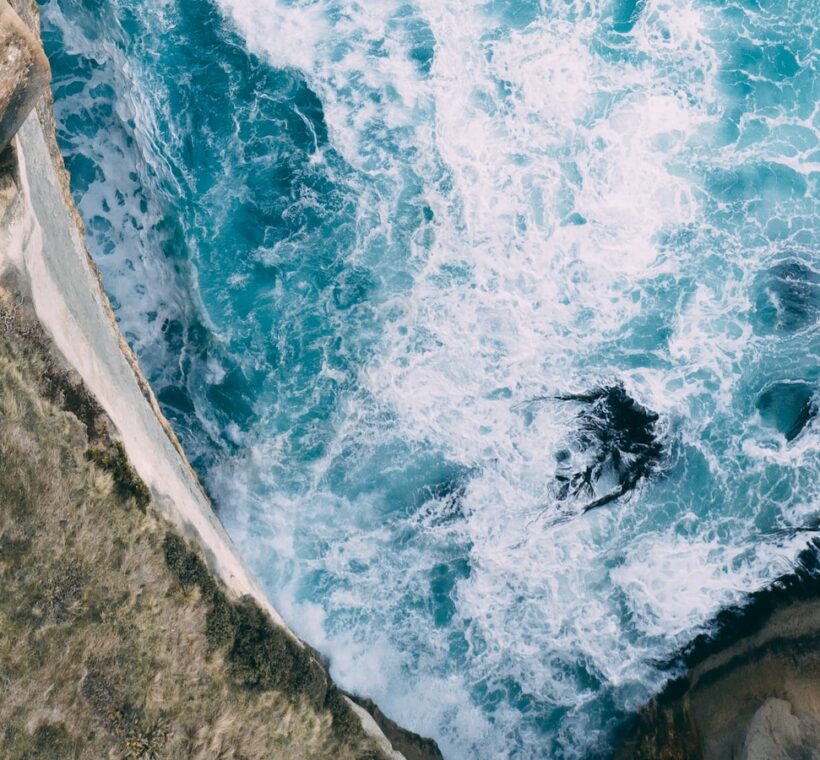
[48,275]
[751,690]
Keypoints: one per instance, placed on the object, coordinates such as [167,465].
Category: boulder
[24,72]
[774,733]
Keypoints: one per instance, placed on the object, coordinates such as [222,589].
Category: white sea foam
[566,174]
[118,206]
[567,171]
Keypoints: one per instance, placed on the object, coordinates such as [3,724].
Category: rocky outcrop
[751,689]
[24,72]
[776,733]
[410,745]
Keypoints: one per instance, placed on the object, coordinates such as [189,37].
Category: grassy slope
[115,640]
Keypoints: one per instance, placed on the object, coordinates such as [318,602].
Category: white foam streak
[560,166]
[556,174]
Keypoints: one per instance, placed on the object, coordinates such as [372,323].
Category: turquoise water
[360,251]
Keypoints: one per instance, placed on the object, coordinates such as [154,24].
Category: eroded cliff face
[130,623]
[25,72]
[752,687]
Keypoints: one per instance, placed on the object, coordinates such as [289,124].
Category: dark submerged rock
[442,501]
[788,407]
[616,436]
[788,297]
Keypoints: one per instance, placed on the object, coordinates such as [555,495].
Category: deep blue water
[361,250]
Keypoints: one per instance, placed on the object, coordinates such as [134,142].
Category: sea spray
[352,245]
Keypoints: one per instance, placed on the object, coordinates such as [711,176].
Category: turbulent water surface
[491,327]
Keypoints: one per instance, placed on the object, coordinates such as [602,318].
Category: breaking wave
[419,283]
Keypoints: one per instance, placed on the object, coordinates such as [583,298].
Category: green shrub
[145,740]
[345,722]
[49,740]
[14,550]
[126,481]
[220,624]
[265,657]
[141,737]
[73,397]
[186,565]
[261,654]
[62,592]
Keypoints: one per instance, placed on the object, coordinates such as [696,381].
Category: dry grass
[105,650]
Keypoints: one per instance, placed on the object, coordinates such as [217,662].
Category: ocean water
[376,258]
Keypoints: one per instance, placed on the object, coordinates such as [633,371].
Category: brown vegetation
[117,641]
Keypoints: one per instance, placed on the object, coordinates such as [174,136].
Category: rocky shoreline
[751,687]
[128,585]
[129,627]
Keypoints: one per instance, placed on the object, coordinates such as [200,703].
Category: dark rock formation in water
[441,501]
[788,407]
[788,297]
[616,440]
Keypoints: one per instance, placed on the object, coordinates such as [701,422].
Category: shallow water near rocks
[366,253]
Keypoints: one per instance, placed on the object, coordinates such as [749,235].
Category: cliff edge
[750,687]
[131,626]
